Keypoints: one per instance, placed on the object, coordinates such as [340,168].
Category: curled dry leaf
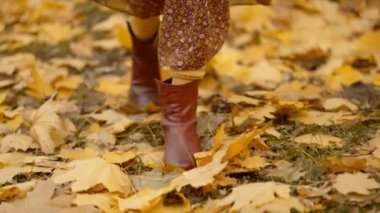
[49,127]
[94,173]
[359,183]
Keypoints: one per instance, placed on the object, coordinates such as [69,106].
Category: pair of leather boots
[178,103]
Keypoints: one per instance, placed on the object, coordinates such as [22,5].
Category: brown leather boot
[145,69]
[178,118]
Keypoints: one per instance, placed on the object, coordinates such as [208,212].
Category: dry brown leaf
[8,173]
[17,142]
[257,195]
[345,164]
[359,183]
[16,190]
[49,128]
[337,103]
[320,140]
[237,99]
[287,171]
[116,122]
[39,200]
[204,175]
[96,172]
[77,154]
[115,157]
[105,202]
[253,162]
[144,199]
[324,118]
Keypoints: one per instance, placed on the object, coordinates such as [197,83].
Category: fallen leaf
[182,206]
[8,173]
[71,82]
[105,202]
[324,118]
[336,103]
[286,171]
[48,128]
[16,190]
[39,88]
[76,63]
[144,199]
[256,195]
[320,140]
[17,142]
[114,157]
[115,121]
[204,175]
[91,173]
[237,99]
[53,33]
[359,183]
[345,164]
[39,200]
[77,154]
[253,162]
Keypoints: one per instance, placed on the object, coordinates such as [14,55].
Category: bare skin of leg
[145,28]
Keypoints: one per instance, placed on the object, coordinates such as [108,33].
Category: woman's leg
[178,100]
[145,67]
[191,33]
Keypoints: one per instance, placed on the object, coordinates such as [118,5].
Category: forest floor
[289,113]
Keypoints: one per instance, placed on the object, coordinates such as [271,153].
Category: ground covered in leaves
[288,113]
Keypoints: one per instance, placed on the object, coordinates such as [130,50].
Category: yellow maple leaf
[48,128]
[112,86]
[96,172]
[114,157]
[39,88]
[144,199]
[105,202]
[70,82]
[344,76]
